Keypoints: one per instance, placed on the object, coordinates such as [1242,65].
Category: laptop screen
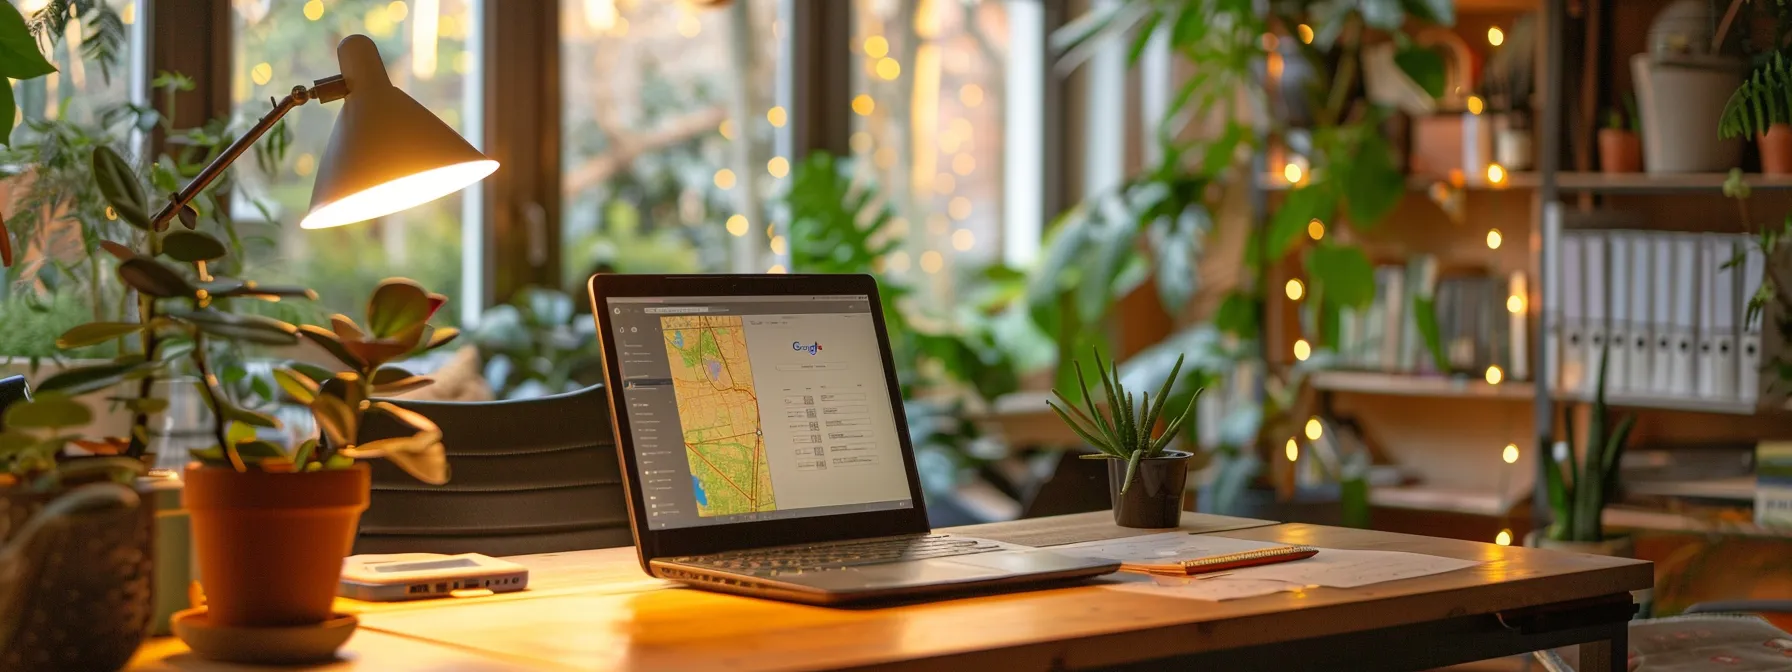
[751,408]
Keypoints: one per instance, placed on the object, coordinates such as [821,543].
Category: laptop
[764,448]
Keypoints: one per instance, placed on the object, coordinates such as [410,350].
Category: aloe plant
[1578,492]
[1764,99]
[1127,429]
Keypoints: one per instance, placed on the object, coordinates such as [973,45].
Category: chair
[13,389]
[528,476]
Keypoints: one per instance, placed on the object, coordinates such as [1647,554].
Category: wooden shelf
[1402,385]
[1424,498]
[1690,404]
[1668,521]
[1736,489]
[1594,183]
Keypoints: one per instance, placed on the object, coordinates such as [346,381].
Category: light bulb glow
[1515,304]
[1495,36]
[1476,105]
[778,166]
[1294,289]
[403,193]
[1315,229]
[1510,454]
[1292,451]
[863,105]
[1302,350]
[777,116]
[1494,239]
[1496,174]
[1504,538]
[876,46]
[737,225]
[1306,33]
[1314,430]
[1292,172]
[724,179]
[1495,375]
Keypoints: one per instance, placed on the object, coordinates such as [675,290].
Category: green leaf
[47,411]
[10,108]
[335,418]
[248,417]
[303,453]
[118,183]
[147,405]
[390,380]
[19,57]
[238,432]
[397,305]
[339,461]
[239,327]
[97,377]
[1440,12]
[327,340]
[1424,313]
[1343,273]
[1302,205]
[153,278]
[1174,242]
[1238,315]
[94,333]
[302,388]
[1132,467]
[1424,67]
[253,450]
[1373,185]
[192,246]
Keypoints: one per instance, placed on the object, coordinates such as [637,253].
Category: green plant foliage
[1579,493]
[538,344]
[1124,429]
[1424,67]
[1764,99]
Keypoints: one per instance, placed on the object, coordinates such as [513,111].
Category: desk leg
[1611,655]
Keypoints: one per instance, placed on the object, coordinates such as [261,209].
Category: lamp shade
[388,152]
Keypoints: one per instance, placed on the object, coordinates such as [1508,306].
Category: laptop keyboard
[840,555]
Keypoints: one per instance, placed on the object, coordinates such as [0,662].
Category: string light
[1496,174]
[314,10]
[863,105]
[738,225]
[778,167]
[1301,350]
[1294,289]
[1495,36]
[1510,454]
[945,184]
[397,11]
[777,116]
[1515,304]
[724,179]
[931,261]
[959,207]
[963,240]
[898,261]
[1270,42]
[1314,430]
[1494,239]
[776,269]
[861,142]
[971,95]
[1292,172]
[1306,33]
[876,46]
[1315,229]
[888,69]
[261,73]
[1495,375]
[1504,538]
[1476,105]
[1292,451]
[964,163]
[779,247]
[726,129]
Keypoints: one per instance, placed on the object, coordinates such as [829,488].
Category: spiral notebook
[1222,562]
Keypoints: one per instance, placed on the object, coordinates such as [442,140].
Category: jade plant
[1579,491]
[1127,429]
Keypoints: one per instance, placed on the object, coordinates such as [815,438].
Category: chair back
[527,476]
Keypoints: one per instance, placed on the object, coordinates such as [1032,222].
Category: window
[429,50]
[667,129]
[82,88]
[928,100]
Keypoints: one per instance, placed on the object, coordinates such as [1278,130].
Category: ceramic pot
[74,578]
[270,546]
[1155,498]
[1620,151]
[1776,150]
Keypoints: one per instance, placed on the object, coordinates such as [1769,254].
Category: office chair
[527,476]
[13,389]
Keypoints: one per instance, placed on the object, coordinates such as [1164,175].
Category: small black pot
[1155,498]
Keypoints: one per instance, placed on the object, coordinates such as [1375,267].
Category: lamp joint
[329,89]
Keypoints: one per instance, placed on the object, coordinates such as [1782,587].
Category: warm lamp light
[387,152]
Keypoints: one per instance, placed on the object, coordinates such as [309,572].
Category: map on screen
[718,408]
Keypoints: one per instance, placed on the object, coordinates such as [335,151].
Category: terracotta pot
[1776,150]
[1155,498]
[1620,151]
[270,546]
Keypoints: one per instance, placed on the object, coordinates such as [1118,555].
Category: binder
[1394,312]
[1661,292]
[1617,376]
[1574,316]
[1641,334]
[1553,329]
[1689,284]
[1595,304]
[1717,320]
[1748,346]
[1519,362]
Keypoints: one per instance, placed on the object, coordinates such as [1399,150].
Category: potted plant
[1145,480]
[1760,108]
[1579,492]
[1621,144]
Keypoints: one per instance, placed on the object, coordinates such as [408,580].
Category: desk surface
[595,610]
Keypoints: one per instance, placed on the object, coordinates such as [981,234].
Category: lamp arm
[324,90]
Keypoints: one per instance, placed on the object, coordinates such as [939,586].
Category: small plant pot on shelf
[1776,150]
[271,545]
[1620,151]
[1154,499]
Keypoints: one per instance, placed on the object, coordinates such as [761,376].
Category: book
[1222,562]
[1773,484]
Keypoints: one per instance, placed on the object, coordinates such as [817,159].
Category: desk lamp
[387,152]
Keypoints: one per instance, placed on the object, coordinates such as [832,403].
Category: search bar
[674,310]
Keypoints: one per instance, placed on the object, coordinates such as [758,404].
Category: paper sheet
[1332,568]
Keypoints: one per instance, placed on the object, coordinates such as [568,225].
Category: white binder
[1552,297]
[1518,367]
[1574,315]
[1717,320]
[1619,322]
[1689,284]
[1597,315]
[1636,289]
[1748,346]
[1661,313]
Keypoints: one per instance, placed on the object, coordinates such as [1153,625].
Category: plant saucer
[313,643]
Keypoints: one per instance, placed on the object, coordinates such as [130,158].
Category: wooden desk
[594,610]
